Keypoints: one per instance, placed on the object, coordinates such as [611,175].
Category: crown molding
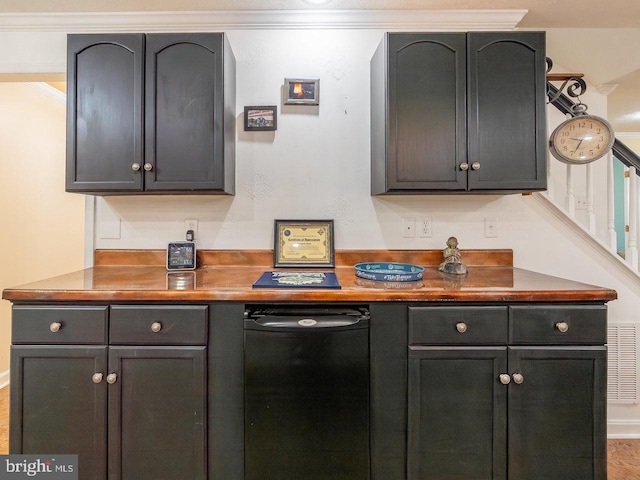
[192,21]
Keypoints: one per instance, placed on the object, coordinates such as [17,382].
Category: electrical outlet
[581,203]
[191,224]
[408,227]
[490,227]
[425,227]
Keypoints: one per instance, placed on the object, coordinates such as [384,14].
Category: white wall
[42,232]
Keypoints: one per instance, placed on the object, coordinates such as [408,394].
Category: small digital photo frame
[181,256]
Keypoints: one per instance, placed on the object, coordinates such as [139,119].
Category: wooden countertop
[140,275]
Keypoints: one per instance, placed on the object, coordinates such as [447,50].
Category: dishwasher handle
[302,321]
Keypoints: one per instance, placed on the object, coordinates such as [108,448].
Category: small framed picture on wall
[302,91]
[261,118]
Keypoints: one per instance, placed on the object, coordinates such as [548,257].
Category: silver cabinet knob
[97,377]
[464,167]
[111,378]
[518,378]
[148,167]
[475,165]
[156,327]
[135,167]
[461,327]
[55,326]
[505,379]
[562,327]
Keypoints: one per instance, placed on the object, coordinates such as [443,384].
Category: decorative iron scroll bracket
[573,82]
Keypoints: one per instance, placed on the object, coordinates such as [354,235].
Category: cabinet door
[457,413]
[157,413]
[507,126]
[557,415]
[104,112]
[426,108]
[184,112]
[57,408]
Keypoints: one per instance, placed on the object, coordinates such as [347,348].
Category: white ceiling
[598,38]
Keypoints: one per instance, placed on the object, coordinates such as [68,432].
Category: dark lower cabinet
[157,413]
[157,392]
[557,415]
[457,414]
[130,412]
[56,406]
[519,412]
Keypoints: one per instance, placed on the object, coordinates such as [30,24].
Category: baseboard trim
[623,429]
[4,378]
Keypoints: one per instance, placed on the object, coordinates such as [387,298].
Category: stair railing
[625,203]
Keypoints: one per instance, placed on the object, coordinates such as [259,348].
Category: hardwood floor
[623,462]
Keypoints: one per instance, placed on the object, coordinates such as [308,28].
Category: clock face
[581,139]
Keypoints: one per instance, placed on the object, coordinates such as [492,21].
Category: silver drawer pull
[562,327]
[464,166]
[505,379]
[518,378]
[156,327]
[475,166]
[55,326]
[461,327]
[97,378]
[111,378]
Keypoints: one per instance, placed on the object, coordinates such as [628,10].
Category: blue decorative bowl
[389,271]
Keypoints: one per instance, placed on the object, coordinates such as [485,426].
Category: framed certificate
[303,243]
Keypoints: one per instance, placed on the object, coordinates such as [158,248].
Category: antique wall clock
[581,139]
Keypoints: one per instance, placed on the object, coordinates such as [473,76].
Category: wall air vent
[622,367]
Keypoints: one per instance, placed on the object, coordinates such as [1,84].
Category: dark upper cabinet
[150,114]
[507,135]
[418,116]
[457,112]
[104,112]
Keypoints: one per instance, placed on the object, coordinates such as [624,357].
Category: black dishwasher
[306,393]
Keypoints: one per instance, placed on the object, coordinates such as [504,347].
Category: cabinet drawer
[557,325]
[59,325]
[457,325]
[158,325]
